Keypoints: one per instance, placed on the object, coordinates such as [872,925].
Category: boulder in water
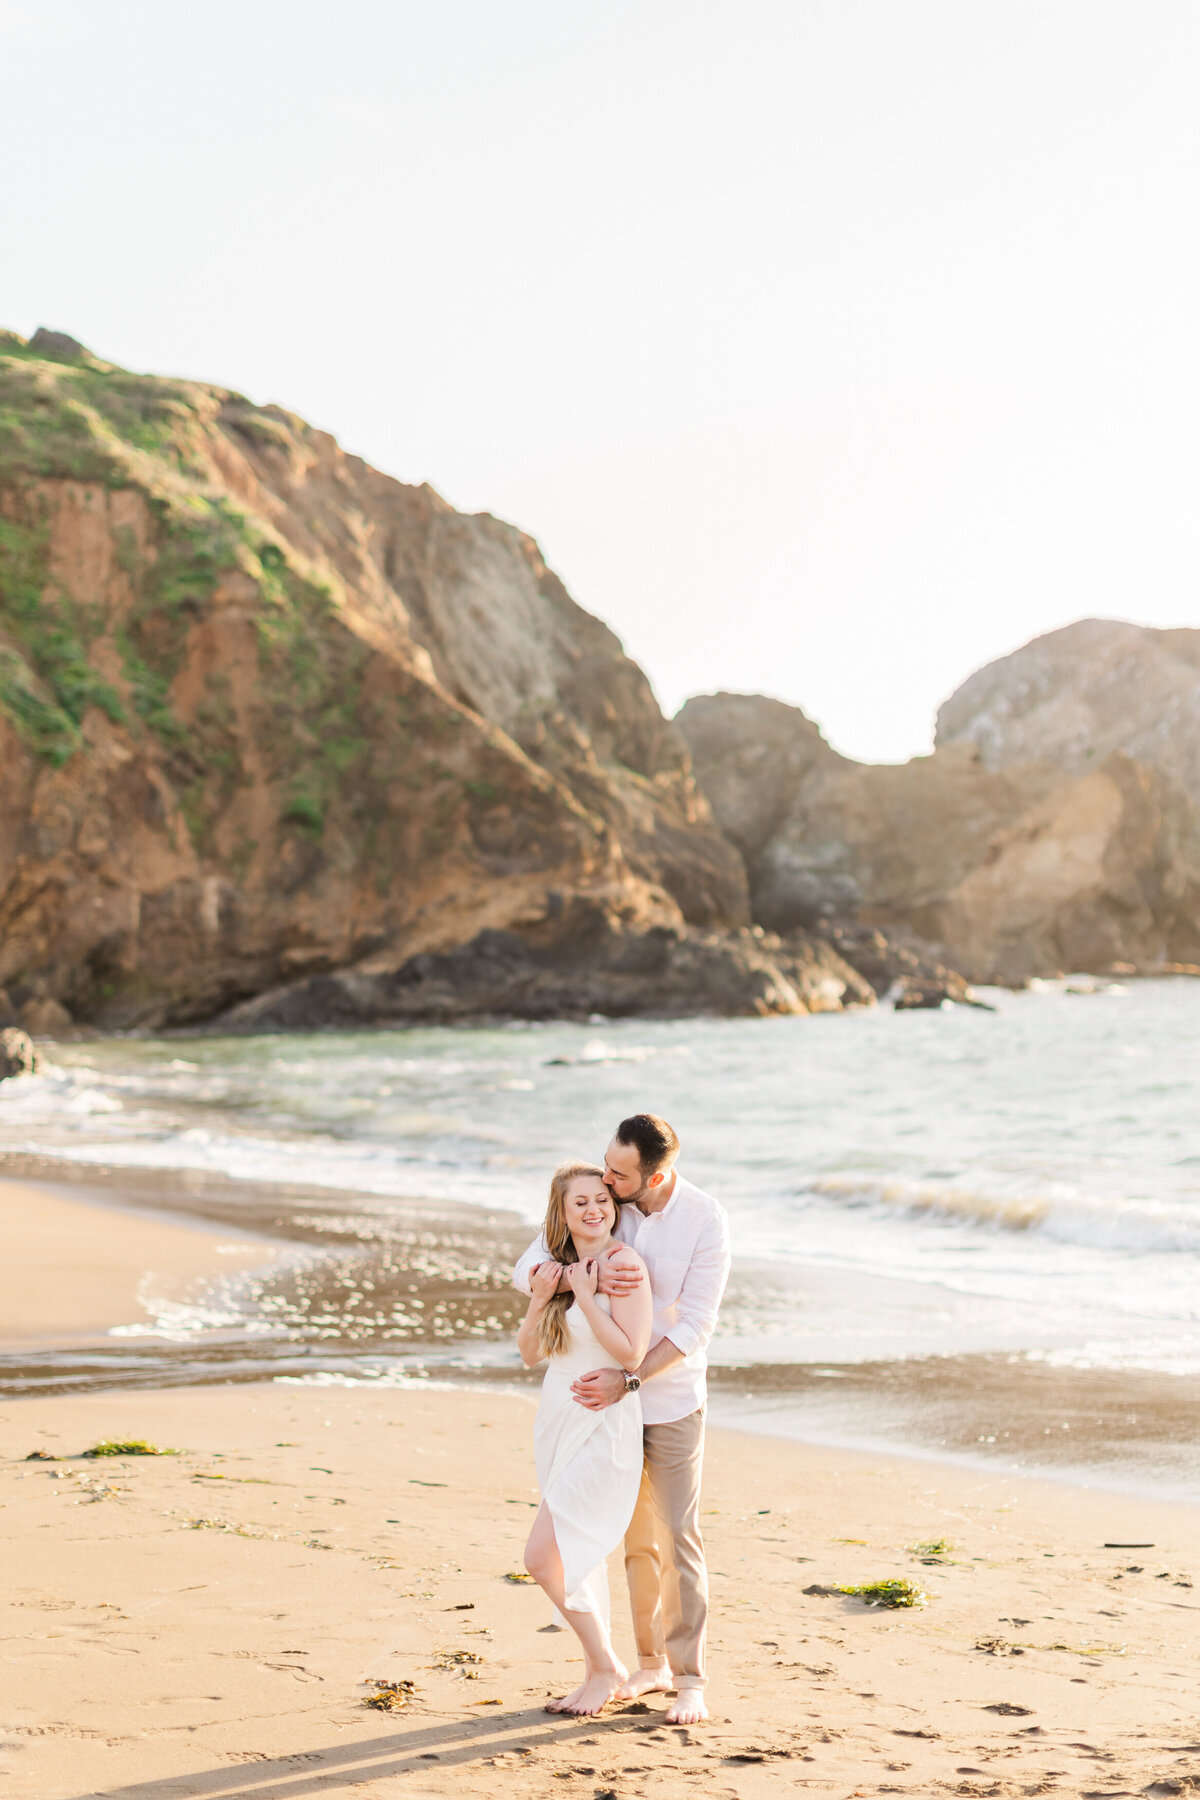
[17,1054]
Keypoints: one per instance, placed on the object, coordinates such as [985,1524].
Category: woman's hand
[543,1282]
[583,1276]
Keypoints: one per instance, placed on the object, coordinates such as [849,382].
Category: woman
[589,1463]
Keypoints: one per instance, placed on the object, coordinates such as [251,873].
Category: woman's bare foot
[595,1693]
[655,1680]
[567,1701]
[688,1707]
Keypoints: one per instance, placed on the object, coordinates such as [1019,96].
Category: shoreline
[1077,982]
[82,1266]
[993,1412]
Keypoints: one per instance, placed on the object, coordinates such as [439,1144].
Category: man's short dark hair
[652,1138]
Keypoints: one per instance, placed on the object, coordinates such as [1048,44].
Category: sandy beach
[209,1623]
[212,1622]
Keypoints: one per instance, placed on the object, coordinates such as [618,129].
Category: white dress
[589,1465]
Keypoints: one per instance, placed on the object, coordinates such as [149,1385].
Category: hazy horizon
[829,350]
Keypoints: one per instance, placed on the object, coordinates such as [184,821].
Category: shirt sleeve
[537,1252]
[703,1286]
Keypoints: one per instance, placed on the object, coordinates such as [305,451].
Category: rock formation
[286,741]
[1076,696]
[266,714]
[17,1054]
[664,972]
[1003,871]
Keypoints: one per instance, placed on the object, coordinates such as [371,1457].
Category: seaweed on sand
[127,1447]
[391,1696]
[898,1592]
[465,1662]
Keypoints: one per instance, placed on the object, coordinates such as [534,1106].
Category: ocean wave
[1097,1221]
[387,1171]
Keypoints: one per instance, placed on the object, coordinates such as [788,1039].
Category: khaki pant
[664,1552]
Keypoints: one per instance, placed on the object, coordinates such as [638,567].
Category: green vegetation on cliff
[77,419]
[46,690]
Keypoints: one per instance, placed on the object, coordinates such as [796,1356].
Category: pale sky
[830,348]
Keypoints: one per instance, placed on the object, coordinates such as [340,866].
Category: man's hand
[603,1387]
[619,1275]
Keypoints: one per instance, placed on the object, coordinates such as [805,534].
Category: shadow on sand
[402,1751]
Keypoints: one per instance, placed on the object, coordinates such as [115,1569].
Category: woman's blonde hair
[552,1336]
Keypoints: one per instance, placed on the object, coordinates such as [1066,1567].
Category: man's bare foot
[567,1701]
[688,1707]
[595,1693]
[646,1681]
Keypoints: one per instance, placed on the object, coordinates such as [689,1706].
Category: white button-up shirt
[685,1248]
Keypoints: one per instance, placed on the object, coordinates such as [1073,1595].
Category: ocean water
[899,1185]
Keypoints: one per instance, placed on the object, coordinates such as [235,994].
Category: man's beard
[630,1199]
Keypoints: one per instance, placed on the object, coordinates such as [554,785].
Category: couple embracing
[624,1288]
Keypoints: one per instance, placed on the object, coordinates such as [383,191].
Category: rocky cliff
[267,714]
[1077,696]
[287,742]
[1003,869]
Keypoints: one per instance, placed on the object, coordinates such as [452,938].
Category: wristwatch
[632,1383]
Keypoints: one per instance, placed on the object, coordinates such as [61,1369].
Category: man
[682,1235]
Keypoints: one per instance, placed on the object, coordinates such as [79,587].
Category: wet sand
[1126,1429]
[74,1269]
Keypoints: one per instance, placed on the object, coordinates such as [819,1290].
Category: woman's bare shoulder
[624,1256]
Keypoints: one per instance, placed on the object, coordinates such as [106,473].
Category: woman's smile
[590,1209]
